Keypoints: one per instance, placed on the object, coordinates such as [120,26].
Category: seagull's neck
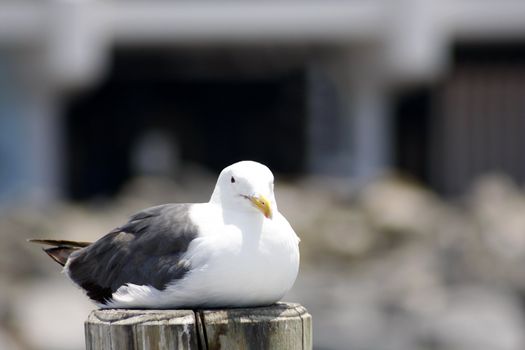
[235,215]
[216,196]
[245,220]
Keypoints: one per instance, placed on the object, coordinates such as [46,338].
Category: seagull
[237,250]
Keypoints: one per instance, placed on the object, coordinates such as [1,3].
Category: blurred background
[395,129]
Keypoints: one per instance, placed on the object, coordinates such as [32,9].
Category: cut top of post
[279,326]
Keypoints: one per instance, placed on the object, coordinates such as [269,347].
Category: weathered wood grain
[280,326]
[141,329]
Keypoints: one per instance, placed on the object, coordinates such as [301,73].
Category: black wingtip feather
[60,254]
[60,242]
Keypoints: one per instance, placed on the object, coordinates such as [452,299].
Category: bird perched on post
[237,250]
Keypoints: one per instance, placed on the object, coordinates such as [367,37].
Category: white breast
[243,259]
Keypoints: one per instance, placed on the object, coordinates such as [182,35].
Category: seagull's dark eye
[232,180]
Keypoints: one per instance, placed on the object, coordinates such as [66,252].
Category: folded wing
[147,250]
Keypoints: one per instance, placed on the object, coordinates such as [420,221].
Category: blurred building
[93,91]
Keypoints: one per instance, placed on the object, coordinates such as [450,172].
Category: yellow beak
[263,204]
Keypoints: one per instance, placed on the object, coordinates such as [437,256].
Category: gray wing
[145,251]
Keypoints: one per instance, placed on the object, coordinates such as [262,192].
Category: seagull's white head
[246,186]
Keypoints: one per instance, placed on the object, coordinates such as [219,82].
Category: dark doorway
[470,124]
[411,128]
[215,113]
[480,116]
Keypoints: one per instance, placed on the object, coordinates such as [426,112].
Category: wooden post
[280,326]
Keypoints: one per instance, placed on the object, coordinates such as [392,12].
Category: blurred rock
[477,318]
[51,313]
[345,232]
[400,207]
[498,206]
[7,341]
